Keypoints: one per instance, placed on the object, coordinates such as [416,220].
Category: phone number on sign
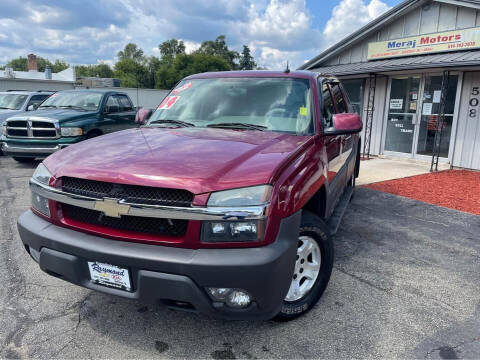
[462,45]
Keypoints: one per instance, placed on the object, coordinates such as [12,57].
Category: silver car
[14,102]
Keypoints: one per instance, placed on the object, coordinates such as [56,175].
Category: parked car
[224,202]
[65,118]
[15,102]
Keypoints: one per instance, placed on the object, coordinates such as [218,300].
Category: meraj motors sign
[464,39]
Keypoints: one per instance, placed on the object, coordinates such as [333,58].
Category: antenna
[287,70]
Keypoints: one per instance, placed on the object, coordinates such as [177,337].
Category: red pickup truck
[224,202]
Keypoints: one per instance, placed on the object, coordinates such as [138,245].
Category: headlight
[42,174]
[233,231]
[239,230]
[71,131]
[40,203]
[248,196]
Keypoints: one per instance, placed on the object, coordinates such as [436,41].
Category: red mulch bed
[455,189]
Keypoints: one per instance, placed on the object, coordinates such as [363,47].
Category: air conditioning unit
[9,73]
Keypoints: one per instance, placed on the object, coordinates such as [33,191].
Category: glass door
[402,114]
[429,115]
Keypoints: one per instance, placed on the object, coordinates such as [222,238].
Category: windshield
[12,101]
[75,100]
[270,104]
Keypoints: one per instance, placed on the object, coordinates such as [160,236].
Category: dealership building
[414,75]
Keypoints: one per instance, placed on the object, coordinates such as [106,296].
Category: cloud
[89,31]
[349,16]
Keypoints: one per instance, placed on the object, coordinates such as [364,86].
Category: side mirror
[143,115]
[32,107]
[345,124]
[112,109]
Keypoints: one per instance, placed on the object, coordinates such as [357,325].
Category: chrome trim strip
[155,211]
[29,150]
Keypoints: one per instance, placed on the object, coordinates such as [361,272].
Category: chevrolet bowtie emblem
[111,207]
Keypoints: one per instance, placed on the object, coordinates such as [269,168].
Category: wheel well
[357,160]
[94,132]
[318,203]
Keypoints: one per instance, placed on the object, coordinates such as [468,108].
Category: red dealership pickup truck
[224,201]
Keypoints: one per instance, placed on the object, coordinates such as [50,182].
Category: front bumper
[35,148]
[169,274]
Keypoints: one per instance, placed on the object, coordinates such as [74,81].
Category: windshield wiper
[175,122]
[71,107]
[47,106]
[2,107]
[236,125]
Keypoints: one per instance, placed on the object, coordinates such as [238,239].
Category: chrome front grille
[32,128]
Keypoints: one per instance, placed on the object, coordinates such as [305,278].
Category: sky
[93,31]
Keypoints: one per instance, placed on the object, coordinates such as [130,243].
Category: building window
[354,90]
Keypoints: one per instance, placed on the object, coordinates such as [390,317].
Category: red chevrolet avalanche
[223,202]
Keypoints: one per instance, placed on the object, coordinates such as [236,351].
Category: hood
[196,159]
[56,114]
[6,113]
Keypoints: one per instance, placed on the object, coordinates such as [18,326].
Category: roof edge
[362,32]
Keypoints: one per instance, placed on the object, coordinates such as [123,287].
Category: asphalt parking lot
[406,284]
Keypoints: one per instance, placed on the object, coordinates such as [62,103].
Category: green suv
[66,118]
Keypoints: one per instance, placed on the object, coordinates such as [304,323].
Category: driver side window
[328,109]
[111,103]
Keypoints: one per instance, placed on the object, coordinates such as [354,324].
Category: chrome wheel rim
[307,268]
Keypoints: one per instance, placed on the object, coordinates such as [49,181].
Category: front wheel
[313,267]
[23,159]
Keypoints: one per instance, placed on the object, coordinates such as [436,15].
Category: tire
[314,229]
[23,160]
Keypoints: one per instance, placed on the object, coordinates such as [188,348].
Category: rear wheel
[23,159]
[313,268]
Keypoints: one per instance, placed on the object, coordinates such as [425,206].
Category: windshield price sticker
[183,87]
[168,102]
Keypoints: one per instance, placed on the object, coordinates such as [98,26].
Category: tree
[59,65]
[170,49]
[131,73]
[99,70]
[246,59]
[187,64]
[219,47]
[21,64]
[132,52]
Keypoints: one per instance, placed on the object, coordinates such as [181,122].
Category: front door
[402,115]
[427,125]
[413,110]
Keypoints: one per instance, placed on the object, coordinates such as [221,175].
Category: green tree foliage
[218,47]
[131,52]
[170,49]
[18,64]
[59,65]
[21,64]
[187,64]
[100,70]
[131,73]
[246,60]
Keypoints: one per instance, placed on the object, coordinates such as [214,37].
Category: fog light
[40,204]
[238,299]
[219,294]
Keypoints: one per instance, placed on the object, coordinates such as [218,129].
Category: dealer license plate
[109,275]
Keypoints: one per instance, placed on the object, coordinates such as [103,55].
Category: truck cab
[65,118]
[225,201]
